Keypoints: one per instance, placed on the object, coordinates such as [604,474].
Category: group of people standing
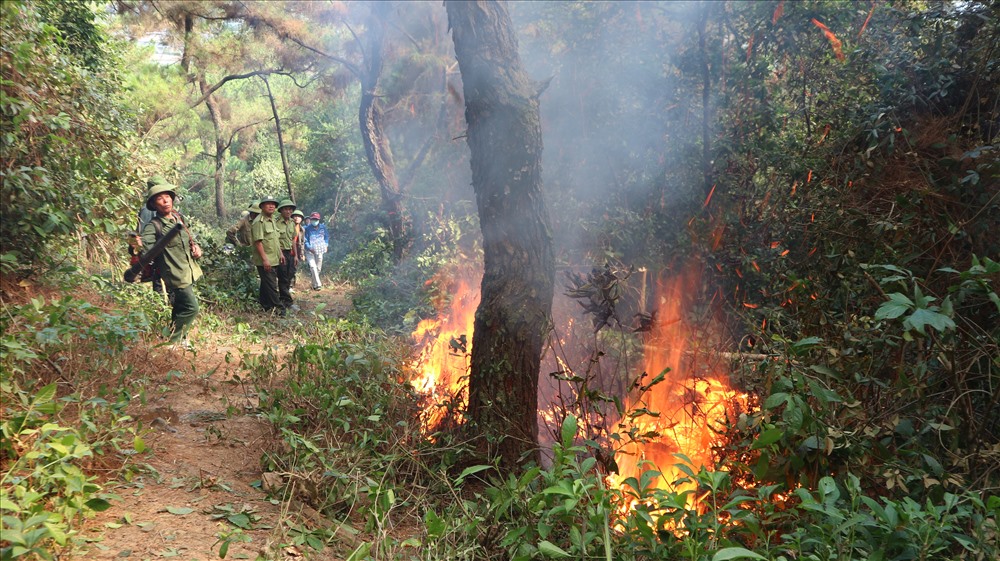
[279,242]
[274,231]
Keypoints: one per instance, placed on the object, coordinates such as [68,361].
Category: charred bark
[373,136]
[514,316]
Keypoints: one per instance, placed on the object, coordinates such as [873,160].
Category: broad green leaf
[469,471]
[923,317]
[240,520]
[569,427]
[360,552]
[98,504]
[435,525]
[179,511]
[891,310]
[767,438]
[727,553]
[552,550]
[45,394]
[775,399]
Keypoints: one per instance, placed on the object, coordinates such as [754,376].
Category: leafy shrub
[65,169]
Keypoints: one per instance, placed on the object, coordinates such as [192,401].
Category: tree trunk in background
[281,140]
[220,148]
[370,119]
[514,316]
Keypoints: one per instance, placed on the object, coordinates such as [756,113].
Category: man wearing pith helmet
[286,272]
[177,265]
[239,234]
[267,257]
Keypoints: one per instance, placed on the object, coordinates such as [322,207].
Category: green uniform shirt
[266,230]
[240,233]
[287,229]
[177,266]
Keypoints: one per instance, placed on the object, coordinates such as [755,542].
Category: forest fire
[445,343]
[687,405]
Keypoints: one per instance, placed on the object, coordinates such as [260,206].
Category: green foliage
[839,521]
[563,511]
[44,492]
[231,279]
[343,417]
[65,135]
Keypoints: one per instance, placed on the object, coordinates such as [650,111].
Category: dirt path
[204,473]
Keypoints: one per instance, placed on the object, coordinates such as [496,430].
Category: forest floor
[200,477]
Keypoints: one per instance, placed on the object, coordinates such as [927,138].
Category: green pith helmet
[298,213]
[155,190]
[286,202]
[254,207]
[156,180]
[267,199]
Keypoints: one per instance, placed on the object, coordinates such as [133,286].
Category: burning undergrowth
[634,356]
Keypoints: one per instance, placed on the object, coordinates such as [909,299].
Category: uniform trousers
[184,310]
[286,274]
[269,299]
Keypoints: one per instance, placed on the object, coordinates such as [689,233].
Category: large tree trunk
[514,316]
[376,143]
[220,148]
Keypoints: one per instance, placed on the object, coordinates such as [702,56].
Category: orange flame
[445,345]
[834,42]
[691,401]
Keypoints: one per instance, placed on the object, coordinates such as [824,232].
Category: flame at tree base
[676,410]
[445,343]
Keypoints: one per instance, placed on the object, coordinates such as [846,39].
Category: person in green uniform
[239,234]
[267,257]
[286,272]
[177,265]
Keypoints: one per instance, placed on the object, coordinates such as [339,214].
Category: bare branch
[236,131]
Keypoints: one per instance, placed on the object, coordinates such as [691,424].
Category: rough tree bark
[220,149]
[376,143]
[514,316]
[281,140]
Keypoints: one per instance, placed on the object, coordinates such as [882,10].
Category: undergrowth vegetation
[68,372]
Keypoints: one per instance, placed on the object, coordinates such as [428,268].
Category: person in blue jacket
[317,240]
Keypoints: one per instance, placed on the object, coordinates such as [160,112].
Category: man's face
[163,203]
[267,209]
[286,212]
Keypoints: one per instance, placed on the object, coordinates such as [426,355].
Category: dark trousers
[184,310]
[286,274]
[268,288]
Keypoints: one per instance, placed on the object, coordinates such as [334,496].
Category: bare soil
[201,467]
